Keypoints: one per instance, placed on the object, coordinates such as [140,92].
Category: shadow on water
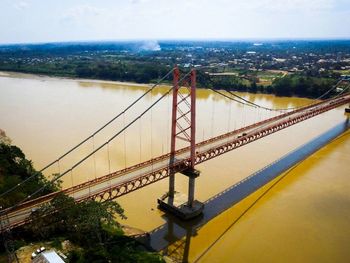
[174,237]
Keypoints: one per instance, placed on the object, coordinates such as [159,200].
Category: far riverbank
[13,74]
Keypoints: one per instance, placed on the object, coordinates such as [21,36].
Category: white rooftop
[49,257]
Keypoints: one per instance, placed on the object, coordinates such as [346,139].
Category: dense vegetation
[293,85]
[309,67]
[91,227]
[14,168]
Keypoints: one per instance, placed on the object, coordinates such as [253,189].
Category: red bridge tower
[183,127]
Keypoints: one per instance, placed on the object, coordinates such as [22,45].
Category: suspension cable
[338,95]
[252,104]
[97,149]
[89,137]
[230,98]
[278,109]
[112,138]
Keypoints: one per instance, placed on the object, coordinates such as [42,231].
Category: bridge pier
[182,205]
[171,185]
[191,182]
[192,174]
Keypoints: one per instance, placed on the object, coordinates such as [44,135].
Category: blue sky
[25,21]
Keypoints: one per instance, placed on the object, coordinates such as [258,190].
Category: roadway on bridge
[122,177]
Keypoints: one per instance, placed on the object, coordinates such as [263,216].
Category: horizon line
[248,39]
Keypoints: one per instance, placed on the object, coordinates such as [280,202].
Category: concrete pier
[182,205]
[179,207]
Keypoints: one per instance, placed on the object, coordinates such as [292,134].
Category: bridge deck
[132,178]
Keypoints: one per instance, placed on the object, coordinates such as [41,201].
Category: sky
[33,21]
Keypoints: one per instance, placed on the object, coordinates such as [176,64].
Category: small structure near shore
[49,256]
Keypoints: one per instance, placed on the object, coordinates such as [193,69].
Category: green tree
[92,226]
[14,168]
[84,222]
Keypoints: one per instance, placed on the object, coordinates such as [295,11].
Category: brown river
[301,216]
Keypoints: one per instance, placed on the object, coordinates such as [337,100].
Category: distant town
[292,68]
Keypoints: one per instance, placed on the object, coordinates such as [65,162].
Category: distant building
[280,59]
[47,257]
[345,77]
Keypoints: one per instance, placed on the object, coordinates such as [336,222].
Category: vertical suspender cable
[109,160]
[168,128]
[71,178]
[212,117]
[152,129]
[229,117]
[109,165]
[93,156]
[59,168]
[124,135]
[140,133]
[243,116]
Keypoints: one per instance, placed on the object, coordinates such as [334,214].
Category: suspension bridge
[179,160]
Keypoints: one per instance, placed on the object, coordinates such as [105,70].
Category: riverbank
[282,88]
[13,74]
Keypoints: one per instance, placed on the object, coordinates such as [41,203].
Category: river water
[304,217]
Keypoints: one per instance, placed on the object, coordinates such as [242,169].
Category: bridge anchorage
[183,127]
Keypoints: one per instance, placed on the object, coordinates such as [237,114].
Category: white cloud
[82,11]
[289,5]
[20,5]
[82,14]
[139,1]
